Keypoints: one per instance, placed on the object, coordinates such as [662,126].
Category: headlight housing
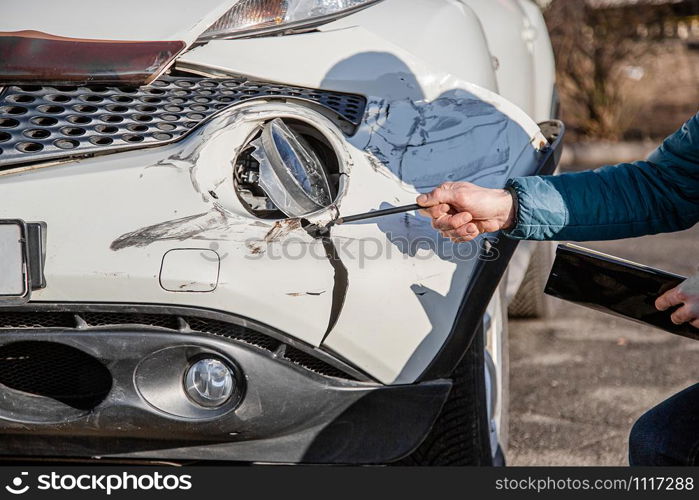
[291,173]
[249,17]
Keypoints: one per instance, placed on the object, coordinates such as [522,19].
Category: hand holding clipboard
[615,286]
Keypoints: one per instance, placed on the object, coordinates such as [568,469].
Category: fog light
[209,382]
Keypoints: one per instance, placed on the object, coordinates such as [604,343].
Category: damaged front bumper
[107,381]
[361,348]
[111,386]
[172,224]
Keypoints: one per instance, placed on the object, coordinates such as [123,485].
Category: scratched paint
[281,229]
[185,228]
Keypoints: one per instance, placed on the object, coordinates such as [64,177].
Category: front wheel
[530,302]
[460,436]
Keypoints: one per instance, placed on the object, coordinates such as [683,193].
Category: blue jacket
[659,195]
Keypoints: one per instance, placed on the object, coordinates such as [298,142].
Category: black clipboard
[615,286]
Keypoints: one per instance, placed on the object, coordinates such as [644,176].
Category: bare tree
[594,43]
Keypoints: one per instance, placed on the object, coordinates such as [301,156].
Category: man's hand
[686,294]
[461,210]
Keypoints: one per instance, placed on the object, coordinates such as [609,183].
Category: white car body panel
[432,116]
[418,156]
[419,295]
[352,59]
[125,193]
[507,30]
[355,53]
[518,39]
[447,34]
[544,68]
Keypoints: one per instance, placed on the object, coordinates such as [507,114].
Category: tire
[530,301]
[460,434]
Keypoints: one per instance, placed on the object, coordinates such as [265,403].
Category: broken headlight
[289,168]
[268,16]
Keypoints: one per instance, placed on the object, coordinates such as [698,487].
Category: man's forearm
[623,201]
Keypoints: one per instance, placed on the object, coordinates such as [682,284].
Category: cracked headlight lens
[267,16]
[291,173]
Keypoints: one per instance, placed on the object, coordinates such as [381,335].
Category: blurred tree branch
[593,45]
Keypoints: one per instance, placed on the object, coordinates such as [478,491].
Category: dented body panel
[144,204]
[342,338]
[159,200]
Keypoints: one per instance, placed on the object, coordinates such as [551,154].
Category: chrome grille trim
[40,123]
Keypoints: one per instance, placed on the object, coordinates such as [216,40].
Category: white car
[173,284]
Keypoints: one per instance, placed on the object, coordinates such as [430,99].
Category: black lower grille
[55,371]
[124,319]
[311,363]
[31,319]
[232,331]
[98,319]
[39,123]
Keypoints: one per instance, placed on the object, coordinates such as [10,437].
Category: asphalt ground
[579,379]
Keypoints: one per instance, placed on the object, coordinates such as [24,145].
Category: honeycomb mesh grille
[52,122]
[125,319]
[31,319]
[312,363]
[56,371]
[231,331]
[34,320]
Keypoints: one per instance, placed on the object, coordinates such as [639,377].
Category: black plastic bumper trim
[36,245]
[285,415]
[191,311]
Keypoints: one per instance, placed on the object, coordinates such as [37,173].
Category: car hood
[129,41]
[124,20]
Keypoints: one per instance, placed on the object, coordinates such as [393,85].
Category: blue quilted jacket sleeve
[631,199]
